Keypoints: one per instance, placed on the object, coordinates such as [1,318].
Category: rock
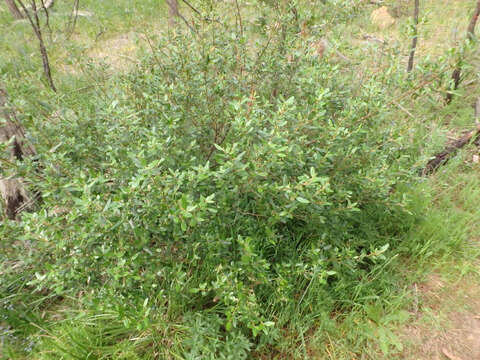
[381,18]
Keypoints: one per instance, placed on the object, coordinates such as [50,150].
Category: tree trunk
[172,12]
[473,22]
[12,190]
[35,22]
[14,9]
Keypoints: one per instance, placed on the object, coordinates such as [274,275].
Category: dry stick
[73,18]
[415,36]
[442,157]
[470,36]
[38,33]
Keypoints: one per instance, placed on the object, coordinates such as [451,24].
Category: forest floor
[448,325]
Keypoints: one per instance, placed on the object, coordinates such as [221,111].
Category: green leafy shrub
[215,196]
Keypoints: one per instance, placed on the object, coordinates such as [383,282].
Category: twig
[73,18]
[338,53]
[449,355]
[369,37]
[191,7]
[196,11]
[45,7]
[403,109]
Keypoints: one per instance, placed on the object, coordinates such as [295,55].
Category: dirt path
[448,321]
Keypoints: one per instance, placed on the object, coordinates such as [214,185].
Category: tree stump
[12,190]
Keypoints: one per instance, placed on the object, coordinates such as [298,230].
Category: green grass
[113,278]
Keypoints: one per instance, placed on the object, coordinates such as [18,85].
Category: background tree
[17,14]
[35,22]
[172,11]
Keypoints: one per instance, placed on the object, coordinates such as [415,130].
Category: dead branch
[369,37]
[442,157]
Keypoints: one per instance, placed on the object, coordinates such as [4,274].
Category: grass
[36,323]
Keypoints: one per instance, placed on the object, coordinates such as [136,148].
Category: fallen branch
[369,37]
[442,158]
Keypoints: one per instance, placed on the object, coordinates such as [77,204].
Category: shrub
[215,195]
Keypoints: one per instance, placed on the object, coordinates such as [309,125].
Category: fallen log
[12,190]
[442,157]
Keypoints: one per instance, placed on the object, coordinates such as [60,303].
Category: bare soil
[448,321]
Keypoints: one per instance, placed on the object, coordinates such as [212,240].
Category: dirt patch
[448,325]
[119,52]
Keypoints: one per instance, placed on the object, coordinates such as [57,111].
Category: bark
[415,36]
[172,12]
[12,190]
[14,9]
[442,157]
[473,22]
[470,35]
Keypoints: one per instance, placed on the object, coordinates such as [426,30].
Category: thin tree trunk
[14,9]
[470,36]
[35,22]
[473,23]
[172,12]
[415,36]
